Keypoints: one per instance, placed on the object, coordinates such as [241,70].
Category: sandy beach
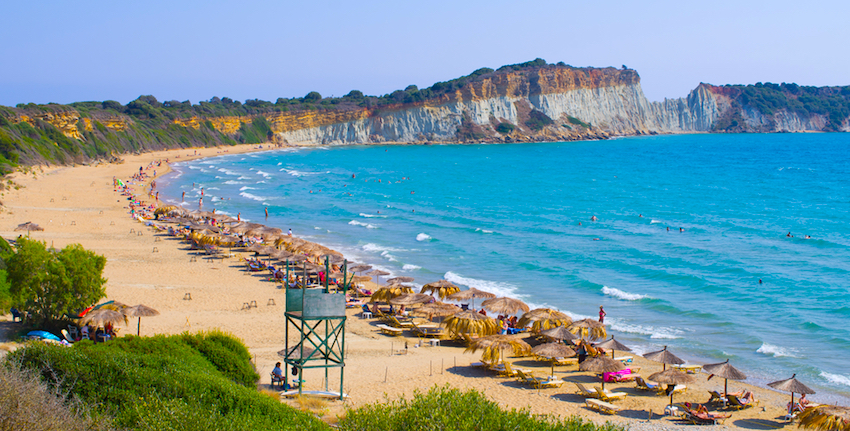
[78,205]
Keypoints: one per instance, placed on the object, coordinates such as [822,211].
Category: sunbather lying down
[700,411]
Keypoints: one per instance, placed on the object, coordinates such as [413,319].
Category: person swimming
[593,218]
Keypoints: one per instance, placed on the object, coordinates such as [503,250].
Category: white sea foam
[662,333]
[654,221]
[194,167]
[279,163]
[211,166]
[778,351]
[242,189]
[265,174]
[423,237]
[478,229]
[372,215]
[617,293]
[231,182]
[366,225]
[839,379]
[244,178]
[213,188]
[228,172]
[410,267]
[296,173]
[317,228]
[498,287]
[379,248]
[253,197]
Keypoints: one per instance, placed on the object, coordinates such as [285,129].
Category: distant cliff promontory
[532,101]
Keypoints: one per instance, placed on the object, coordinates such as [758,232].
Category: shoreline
[137,274]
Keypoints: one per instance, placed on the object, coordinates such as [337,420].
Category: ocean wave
[244,178]
[317,228]
[372,215]
[366,225]
[662,333]
[617,293]
[375,247]
[478,229]
[194,167]
[423,237]
[265,174]
[213,188]
[242,189]
[231,182]
[839,379]
[500,288]
[778,351]
[655,221]
[253,197]
[296,173]
[410,267]
[229,172]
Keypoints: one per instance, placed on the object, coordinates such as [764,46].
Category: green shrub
[538,120]
[447,408]
[505,128]
[577,122]
[162,383]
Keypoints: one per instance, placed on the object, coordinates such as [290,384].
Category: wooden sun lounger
[389,330]
[583,391]
[690,369]
[601,406]
[609,396]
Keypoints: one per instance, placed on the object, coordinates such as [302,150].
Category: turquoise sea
[514,219]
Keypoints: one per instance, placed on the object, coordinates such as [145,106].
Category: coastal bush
[505,128]
[538,120]
[161,383]
[449,408]
[577,122]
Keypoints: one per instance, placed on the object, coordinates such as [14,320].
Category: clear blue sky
[62,51]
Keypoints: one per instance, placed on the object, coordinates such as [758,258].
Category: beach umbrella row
[442,288]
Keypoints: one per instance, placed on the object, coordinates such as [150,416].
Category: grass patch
[180,382]
[448,408]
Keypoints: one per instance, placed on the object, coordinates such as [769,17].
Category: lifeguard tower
[317,315]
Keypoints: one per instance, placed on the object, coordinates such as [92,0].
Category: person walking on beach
[290,232]
[602,314]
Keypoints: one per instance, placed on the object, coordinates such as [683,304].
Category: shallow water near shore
[505,218]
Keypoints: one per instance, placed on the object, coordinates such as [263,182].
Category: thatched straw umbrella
[504,305]
[437,309]
[613,345]
[560,333]
[665,357]
[791,385]
[553,351]
[471,322]
[385,294]
[494,345]
[671,378]
[411,298]
[139,311]
[360,268]
[399,280]
[378,273]
[442,288]
[102,316]
[29,227]
[543,318]
[470,294]
[601,364]
[826,418]
[726,371]
[588,329]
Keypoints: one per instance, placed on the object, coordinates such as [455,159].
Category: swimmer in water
[579,223]
[353,176]
[593,218]
[640,215]
[806,237]
[681,229]
[668,228]
[789,235]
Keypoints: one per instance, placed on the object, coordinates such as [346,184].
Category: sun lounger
[389,330]
[583,391]
[646,386]
[509,371]
[704,418]
[394,322]
[690,369]
[735,403]
[607,396]
[715,397]
[601,406]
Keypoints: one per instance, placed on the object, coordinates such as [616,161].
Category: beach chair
[389,330]
[607,396]
[276,380]
[704,418]
[394,322]
[601,406]
[646,386]
[74,331]
[584,392]
[715,397]
[67,336]
[539,382]
[732,401]
[509,371]
[690,369]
